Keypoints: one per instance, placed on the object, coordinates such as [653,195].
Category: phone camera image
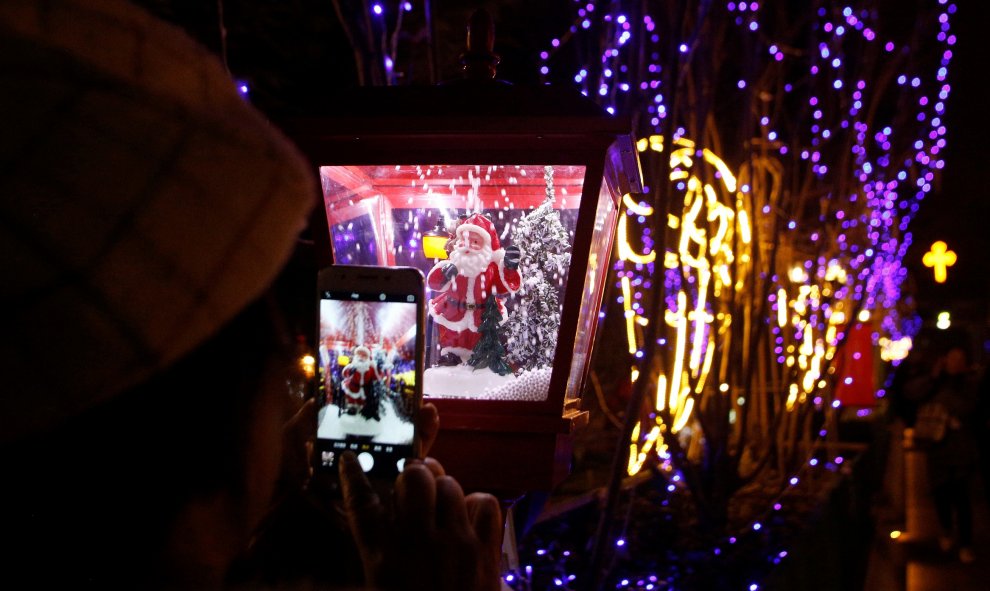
[367,366]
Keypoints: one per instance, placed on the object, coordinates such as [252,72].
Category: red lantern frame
[503,446]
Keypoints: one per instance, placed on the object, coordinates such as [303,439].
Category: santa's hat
[362,350]
[482,226]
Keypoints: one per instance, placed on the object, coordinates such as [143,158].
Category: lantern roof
[466,122]
[468,107]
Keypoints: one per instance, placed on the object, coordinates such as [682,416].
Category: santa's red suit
[477,268]
[357,376]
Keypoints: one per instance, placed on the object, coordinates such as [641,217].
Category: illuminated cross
[939,258]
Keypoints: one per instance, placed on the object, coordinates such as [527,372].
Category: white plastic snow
[463,381]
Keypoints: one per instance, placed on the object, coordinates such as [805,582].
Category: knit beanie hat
[143,203]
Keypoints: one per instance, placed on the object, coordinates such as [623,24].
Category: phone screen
[367,366]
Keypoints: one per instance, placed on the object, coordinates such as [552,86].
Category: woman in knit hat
[145,212]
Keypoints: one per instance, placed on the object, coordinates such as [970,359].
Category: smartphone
[370,367]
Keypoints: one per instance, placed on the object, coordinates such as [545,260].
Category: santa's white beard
[361,366]
[469,262]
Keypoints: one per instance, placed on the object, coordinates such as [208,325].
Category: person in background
[983,430]
[952,461]
[913,370]
[147,213]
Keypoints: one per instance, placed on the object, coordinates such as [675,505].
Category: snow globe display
[495,285]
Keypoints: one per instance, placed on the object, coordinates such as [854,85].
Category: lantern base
[508,463]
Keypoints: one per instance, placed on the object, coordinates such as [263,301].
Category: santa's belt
[462,305]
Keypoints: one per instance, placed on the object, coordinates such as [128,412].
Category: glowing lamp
[435,243]
[541,171]
[307,363]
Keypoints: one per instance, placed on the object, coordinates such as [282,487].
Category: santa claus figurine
[478,268]
[359,377]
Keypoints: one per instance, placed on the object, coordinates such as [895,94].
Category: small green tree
[489,351]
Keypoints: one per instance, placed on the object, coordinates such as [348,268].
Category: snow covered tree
[532,326]
[489,352]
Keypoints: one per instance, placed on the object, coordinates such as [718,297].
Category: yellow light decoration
[894,350]
[791,396]
[939,258]
[701,319]
[409,377]
[709,257]
[636,458]
[661,392]
[943,321]
[835,272]
[682,158]
[806,346]
[812,349]
[812,375]
[706,366]
[654,143]
[630,315]
[692,234]
[636,208]
[678,320]
[638,455]
[683,415]
[626,252]
[781,307]
[727,177]
[745,234]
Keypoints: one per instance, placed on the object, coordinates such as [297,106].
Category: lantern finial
[479,59]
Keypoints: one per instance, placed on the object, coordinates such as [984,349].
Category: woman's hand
[432,537]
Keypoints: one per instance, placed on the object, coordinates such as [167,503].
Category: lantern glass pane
[493,317]
[594,281]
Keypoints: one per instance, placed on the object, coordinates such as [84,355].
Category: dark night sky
[959,211]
